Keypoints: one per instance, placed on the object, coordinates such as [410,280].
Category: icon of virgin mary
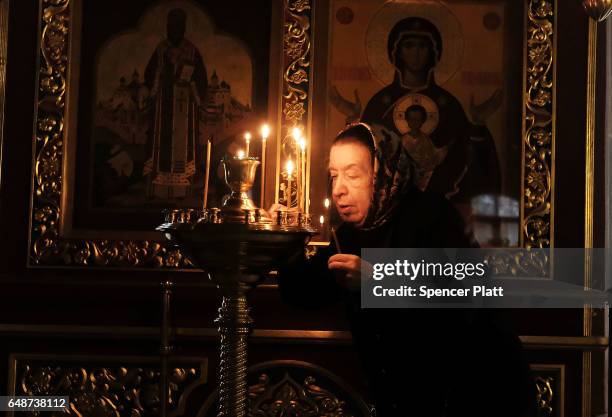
[415,47]
[461,161]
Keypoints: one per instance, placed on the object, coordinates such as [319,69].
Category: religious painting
[443,78]
[129,94]
[155,85]
[162,89]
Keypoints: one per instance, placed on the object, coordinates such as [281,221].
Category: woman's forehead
[347,154]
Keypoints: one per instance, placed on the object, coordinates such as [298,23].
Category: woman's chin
[353,219]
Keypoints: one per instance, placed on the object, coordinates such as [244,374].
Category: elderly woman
[419,362]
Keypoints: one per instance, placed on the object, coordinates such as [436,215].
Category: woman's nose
[339,188]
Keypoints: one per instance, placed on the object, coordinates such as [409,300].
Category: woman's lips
[345,209]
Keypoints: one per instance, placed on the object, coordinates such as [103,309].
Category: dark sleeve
[308,283]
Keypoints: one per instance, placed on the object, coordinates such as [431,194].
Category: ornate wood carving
[117,387]
[539,121]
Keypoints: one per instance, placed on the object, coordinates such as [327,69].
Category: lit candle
[289,180]
[298,184]
[325,231]
[247,138]
[297,136]
[265,132]
[289,168]
[207,173]
[296,133]
[303,172]
[322,220]
[240,154]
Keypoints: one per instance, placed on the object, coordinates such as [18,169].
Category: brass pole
[165,348]
[588,210]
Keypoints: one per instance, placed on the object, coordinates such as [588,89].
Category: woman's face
[350,168]
[414,53]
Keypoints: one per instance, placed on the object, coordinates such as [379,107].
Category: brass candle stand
[237,244]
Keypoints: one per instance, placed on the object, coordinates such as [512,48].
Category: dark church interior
[205,206]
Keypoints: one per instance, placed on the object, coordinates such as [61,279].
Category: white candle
[265,132]
[289,180]
[326,229]
[207,174]
[297,136]
[247,138]
[298,183]
[303,172]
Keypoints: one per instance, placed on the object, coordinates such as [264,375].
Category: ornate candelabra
[598,10]
[237,245]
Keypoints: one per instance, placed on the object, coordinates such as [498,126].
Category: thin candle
[321,227]
[296,133]
[297,137]
[333,232]
[247,138]
[298,183]
[289,181]
[265,132]
[303,170]
[207,173]
[289,168]
[326,230]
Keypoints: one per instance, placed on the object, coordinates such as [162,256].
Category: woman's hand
[349,268]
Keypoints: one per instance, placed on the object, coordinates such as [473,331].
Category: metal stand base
[234,327]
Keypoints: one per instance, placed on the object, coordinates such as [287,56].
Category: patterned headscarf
[394,172]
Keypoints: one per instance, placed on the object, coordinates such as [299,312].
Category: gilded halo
[399,118]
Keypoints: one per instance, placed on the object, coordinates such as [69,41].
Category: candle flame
[326,203]
[247,136]
[240,154]
[322,219]
[289,167]
[297,133]
[302,144]
[265,131]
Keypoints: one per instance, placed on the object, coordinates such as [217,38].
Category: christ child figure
[420,146]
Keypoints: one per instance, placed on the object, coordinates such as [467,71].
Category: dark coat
[420,362]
